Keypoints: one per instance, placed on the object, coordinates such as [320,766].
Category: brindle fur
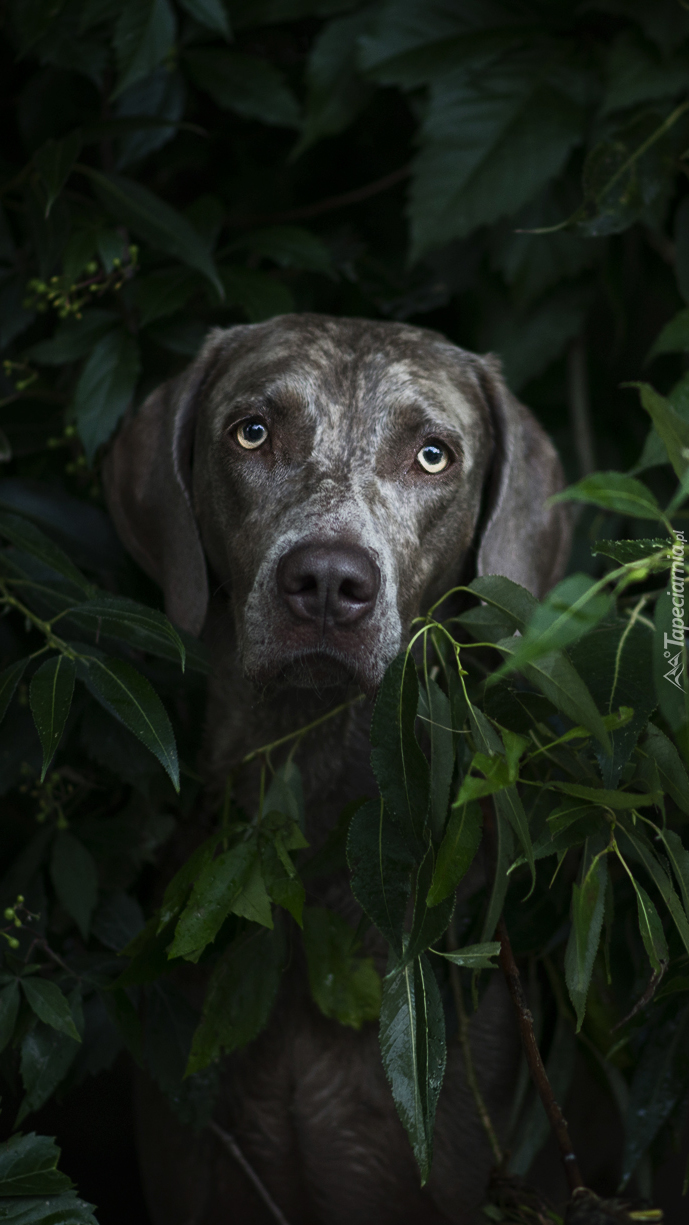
[348,403]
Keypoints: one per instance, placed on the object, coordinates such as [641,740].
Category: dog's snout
[330,584]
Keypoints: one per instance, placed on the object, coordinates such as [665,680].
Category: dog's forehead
[343,376]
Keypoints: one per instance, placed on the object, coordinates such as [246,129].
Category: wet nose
[329,584]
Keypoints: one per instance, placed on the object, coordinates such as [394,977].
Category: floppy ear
[523,539]
[147,479]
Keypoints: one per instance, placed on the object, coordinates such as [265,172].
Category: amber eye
[251,434]
[433,457]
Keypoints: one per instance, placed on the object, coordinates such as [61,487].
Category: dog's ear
[147,480]
[523,539]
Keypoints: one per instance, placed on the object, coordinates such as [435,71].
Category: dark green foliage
[173,165]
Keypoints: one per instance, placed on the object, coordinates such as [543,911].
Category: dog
[302,492]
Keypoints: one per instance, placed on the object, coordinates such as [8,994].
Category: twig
[539,1075]
[229,1142]
[579,406]
[463,1035]
[329,204]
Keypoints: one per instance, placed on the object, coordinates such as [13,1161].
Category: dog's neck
[333,756]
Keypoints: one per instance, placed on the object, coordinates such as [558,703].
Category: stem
[539,1075]
[44,626]
[463,1035]
[301,731]
[327,205]
[580,407]
[229,1142]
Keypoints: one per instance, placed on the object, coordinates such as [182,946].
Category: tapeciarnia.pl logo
[675,640]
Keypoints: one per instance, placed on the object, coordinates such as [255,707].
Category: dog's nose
[331,584]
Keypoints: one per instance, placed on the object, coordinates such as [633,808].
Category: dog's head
[338,475]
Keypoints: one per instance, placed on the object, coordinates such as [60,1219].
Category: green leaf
[215,890]
[46,1057]
[457,850]
[74,338]
[105,389]
[673,430]
[253,902]
[474,956]
[381,864]
[428,924]
[645,853]
[54,161]
[209,13]
[613,491]
[143,627]
[9,1007]
[671,770]
[603,797]
[144,34]
[570,610]
[50,1005]
[485,737]
[495,131]
[412,1044]
[679,859]
[26,536]
[243,83]
[336,91]
[179,887]
[508,804]
[290,246]
[344,985]
[259,295]
[514,602]
[501,880]
[588,906]
[75,877]
[129,697]
[240,996]
[28,1166]
[625,551]
[651,930]
[50,695]
[155,222]
[439,727]
[163,292]
[398,762]
[622,176]
[674,337]
[9,679]
[560,682]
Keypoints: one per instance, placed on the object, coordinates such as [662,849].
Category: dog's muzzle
[328,585]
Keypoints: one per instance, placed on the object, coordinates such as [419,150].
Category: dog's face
[335,473]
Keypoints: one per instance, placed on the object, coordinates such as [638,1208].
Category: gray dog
[303,491]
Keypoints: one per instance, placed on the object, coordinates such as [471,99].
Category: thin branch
[229,1142]
[328,205]
[580,406]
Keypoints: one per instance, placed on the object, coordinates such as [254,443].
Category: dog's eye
[251,434]
[433,457]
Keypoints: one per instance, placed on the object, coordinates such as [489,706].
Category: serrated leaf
[215,889]
[674,337]
[243,83]
[588,905]
[28,1166]
[129,697]
[625,551]
[155,222]
[9,679]
[673,430]
[50,696]
[569,611]
[508,804]
[239,998]
[439,727]
[253,902]
[75,877]
[660,1081]
[457,850]
[54,161]
[398,762]
[501,880]
[105,389]
[671,770]
[50,1005]
[26,536]
[412,1044]
[336,91]
[344,985]
[660,878]
[46,1057]
[613,491]
[651,930]
[381,865]
[179,887]
[428,923]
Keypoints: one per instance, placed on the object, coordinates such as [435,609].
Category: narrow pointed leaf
[50,1005]
[381,865]
[9,679]
[474,956]
[25,535]
[660,878]
[559,681]
[212,896]
[75,877]
[442,755]
[613,491]
[52,687]
[428,923]
[398,762]
[588,906]
[127,695]
[457,850]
